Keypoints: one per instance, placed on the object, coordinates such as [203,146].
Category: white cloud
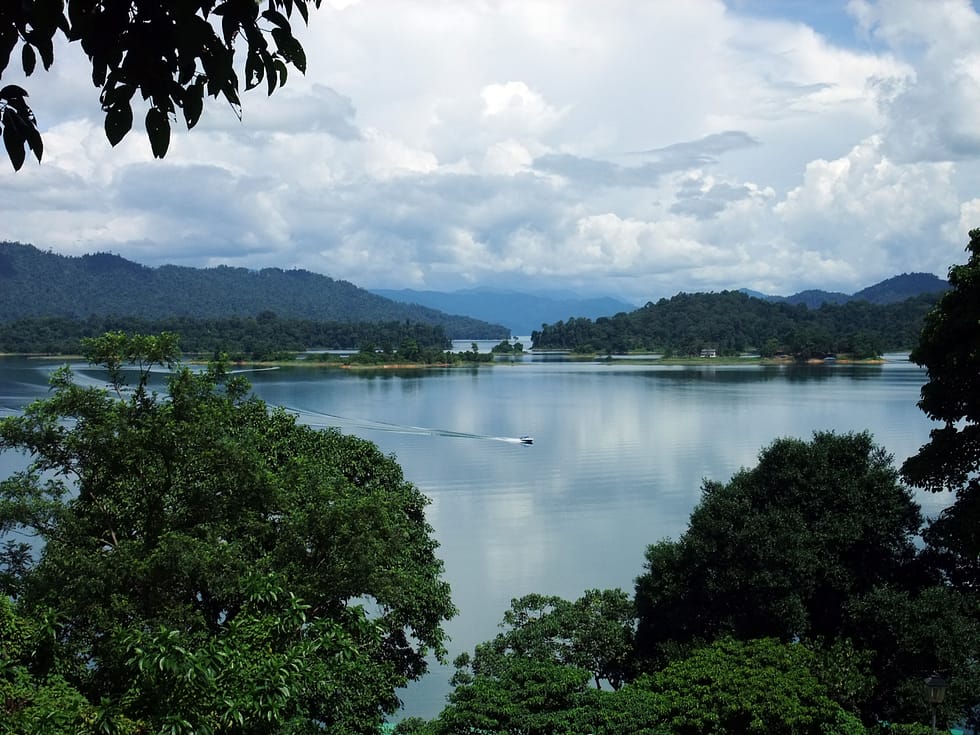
[871,210]
[635,149]
[932,111]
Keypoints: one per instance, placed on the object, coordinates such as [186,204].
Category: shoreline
[614,359]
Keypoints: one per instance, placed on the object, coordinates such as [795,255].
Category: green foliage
[172,55]
[526,696]
[760,686]
[781,548]
[815,542]
[950,351]
[36,705]
[593,633]
[473,355]
[207,561]
[913,633]
[504,347]
[243,339]
[732,322]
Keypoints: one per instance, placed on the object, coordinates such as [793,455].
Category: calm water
[617,462]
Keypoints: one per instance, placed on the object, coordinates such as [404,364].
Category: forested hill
[35,283]
[732,322]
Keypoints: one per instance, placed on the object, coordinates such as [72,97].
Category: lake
[619,454]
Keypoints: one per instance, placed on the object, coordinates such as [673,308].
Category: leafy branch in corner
[172,53]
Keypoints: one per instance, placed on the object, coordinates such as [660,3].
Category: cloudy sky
[632,148]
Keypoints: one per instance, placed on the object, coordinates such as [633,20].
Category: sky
[627,148]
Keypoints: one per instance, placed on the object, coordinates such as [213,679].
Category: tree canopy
[781,548]
[763,687]
[197,562]
[950,351]
[817,542]
[594,634]
[172,54]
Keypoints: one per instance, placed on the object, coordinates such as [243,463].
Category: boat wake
[253,370]
[319,419]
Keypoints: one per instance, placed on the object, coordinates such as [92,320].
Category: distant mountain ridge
[890,291]
[37,283]
[522,312]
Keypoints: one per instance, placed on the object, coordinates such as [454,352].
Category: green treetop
[208,565]
[950,350]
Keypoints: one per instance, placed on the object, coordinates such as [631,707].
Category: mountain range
[527,312]
[890,291]
[38,283]
[522,312]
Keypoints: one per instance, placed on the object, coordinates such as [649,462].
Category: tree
[761,686]
[815,544]
[524,697]
[593,633]
[910,634]
[949,349]
[781,548]
[208,564]
[29,704]
[172,53]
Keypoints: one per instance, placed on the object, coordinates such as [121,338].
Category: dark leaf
[193,104]
[277,18]
[186,66]
[45,47]
[29,59]
[229,27]
[270,70]
[230,90]
[12,92]
[47,17]
[35,142]
[158,131]
[254,69]
[281,67]
[299,57]
[118,121]
[303,10]
[13,141]
[290,48]
[99,70]
[33,136]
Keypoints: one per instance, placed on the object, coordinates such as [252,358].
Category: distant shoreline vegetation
[725,328]
[731,323]
[265,337]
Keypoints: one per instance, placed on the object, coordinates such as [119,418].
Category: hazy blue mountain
[521,312]
[890,291]
[37,283]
